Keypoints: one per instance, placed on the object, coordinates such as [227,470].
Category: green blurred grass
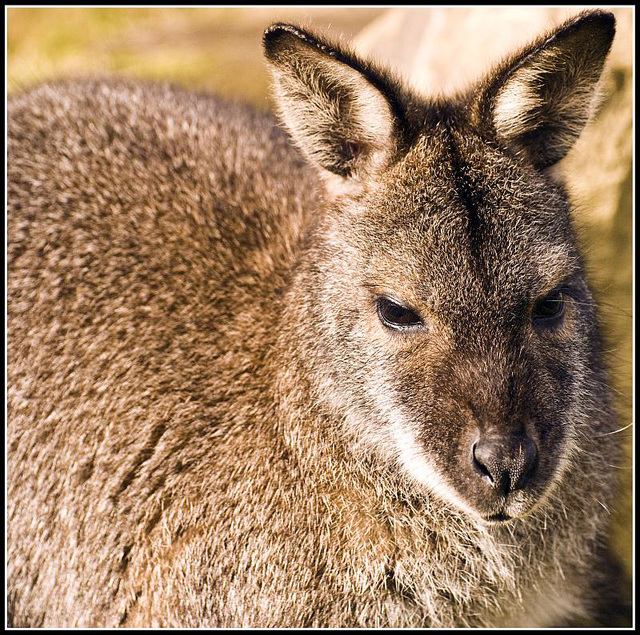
[213,49]
[220,50]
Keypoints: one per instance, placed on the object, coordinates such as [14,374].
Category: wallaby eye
[396,316]
[549,309]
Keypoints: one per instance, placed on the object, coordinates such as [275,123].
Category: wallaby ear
[539,101]
[333,105]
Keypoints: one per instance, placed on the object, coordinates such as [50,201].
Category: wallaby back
[365,389]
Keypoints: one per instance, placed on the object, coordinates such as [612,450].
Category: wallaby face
[455,325]
[365,388]
[455,316]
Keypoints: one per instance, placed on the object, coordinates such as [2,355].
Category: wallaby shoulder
[177,213]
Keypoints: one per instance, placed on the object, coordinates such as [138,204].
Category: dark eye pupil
[550,307]
[394,315]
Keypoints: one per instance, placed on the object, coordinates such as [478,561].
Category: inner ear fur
[339,111]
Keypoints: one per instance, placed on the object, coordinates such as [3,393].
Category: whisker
[606,434]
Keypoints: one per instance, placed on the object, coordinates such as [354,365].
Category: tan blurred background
[437,49]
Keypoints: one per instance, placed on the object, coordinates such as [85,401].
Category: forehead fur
[458,214]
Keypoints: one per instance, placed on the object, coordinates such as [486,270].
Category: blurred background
[437,50]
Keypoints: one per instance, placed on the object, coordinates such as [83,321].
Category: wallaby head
[441,307]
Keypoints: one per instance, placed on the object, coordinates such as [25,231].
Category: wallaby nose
[506,461]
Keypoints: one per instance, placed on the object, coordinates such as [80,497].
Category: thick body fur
[208,423]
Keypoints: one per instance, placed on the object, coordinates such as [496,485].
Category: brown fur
[208,423]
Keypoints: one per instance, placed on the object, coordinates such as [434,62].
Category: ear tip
[605,18]
[280,35]
[602,21]
[273,36]
[277,29]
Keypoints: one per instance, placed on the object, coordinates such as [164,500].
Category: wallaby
[353,380]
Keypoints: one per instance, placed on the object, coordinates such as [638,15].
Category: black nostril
[480,466]
[506,462]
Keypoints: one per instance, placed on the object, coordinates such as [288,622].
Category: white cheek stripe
[416,463]
[413,459]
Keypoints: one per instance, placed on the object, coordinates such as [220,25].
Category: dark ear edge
[598,30]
